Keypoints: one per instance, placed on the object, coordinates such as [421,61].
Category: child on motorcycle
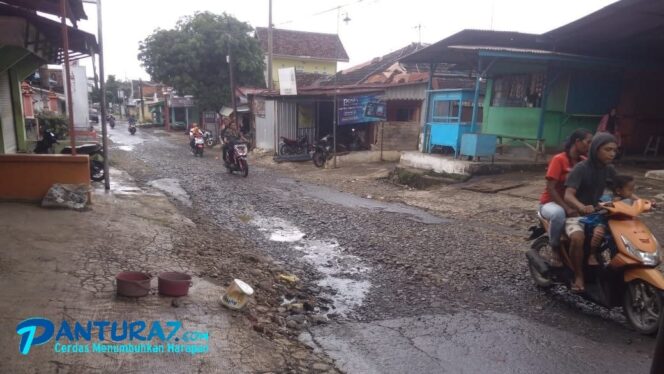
[622,188]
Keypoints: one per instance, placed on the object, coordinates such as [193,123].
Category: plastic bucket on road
[132,283]
[174,283]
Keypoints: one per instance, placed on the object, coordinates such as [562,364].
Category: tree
[112,88]
[192,57]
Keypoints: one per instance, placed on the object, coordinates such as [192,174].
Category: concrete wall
[28,177]
[308,66]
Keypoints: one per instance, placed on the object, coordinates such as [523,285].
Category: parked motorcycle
[210,140]
[236,160]
[322,151]
[198,145]
[356,143]
[627,273]
[93,150]
[294,146]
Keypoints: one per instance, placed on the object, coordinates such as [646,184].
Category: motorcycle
[322,151]
[198,145]
[132,128]
[293,146]
[626,275]
[236,160]
[210,140]
[356,143]
[111,121]
[93,150]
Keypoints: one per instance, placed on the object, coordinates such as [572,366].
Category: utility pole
[419,33]
[140,92]
[232,77]
[270,83]
[67,76]
[102,86]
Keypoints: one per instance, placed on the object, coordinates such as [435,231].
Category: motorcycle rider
[584,188]
[552,205]
[231,135]
[193,133]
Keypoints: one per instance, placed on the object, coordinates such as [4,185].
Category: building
[539,88]
[307,52]
[27,42]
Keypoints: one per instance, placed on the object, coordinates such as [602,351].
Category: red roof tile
[303,44]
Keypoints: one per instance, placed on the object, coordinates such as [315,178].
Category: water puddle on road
[341,272]
[351,201]
[171,187]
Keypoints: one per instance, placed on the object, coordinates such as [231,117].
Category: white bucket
[237,295]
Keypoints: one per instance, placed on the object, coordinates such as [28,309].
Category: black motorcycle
[132,128]
[93,150]
[236,159]
[293,146]
[322,151]
[111,121]
[210,140]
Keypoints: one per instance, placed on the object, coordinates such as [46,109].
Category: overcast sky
[376,27]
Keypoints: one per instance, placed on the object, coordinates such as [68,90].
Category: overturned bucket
[132,283]
[174,284]
[237,294]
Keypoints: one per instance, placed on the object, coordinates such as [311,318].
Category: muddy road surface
[406,290]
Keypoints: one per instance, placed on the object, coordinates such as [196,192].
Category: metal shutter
[7,114]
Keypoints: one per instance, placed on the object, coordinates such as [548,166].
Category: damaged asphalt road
[407,291]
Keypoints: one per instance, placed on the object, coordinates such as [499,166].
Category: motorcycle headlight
[241,150]
[649,259]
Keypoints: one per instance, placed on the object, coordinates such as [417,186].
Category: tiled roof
[303,44]
[383,69]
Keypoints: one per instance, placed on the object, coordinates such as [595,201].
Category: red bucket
[132,283]
[174,284]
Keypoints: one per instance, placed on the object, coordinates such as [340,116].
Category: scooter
[236,160]
[111,121]
[626,275]
[198,145]
[293,146]
[132,128]
[93,150]
[322,151]
[210,140]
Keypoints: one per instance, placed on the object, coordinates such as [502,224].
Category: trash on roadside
[290,278]
[70,196]
[237,295]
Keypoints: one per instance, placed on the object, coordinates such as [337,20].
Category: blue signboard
[360,109]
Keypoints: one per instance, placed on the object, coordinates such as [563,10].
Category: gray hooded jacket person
[590,177]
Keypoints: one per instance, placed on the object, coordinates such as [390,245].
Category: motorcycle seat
[83,149]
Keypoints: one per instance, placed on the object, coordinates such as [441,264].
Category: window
[523,90]
[445,110]
[405,114]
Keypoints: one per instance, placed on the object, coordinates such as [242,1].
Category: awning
[44,36]
[74,7]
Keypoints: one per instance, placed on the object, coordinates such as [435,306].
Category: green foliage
[112,88]
[56,123]
[192,57]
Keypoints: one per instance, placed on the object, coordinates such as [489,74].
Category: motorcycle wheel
[96,170]
[541,246]
[209,142]
[244,168]
[642,304]
[284,150]
[319,159]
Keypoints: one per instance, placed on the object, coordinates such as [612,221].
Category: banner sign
[360,109]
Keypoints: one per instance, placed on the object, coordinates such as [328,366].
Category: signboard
[259,107]
[360,109]
[287,84]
